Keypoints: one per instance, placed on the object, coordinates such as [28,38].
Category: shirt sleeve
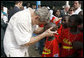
[22,33]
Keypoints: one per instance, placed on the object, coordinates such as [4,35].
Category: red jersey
[59,33]
[67,39]
[54,20]
[51,49]
[81,51]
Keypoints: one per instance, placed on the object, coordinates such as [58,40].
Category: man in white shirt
[77,7]
[18,35]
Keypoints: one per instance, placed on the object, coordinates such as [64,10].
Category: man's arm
[35,39]
[39,30]
[41,36]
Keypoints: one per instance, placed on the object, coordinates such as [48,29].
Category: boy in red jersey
[51,48]
[69,36]
[53,45]
[78,45]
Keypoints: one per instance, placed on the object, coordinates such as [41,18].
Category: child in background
[69,36]
[78,44]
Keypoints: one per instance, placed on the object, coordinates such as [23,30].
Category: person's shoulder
[16,9]
[61,10]
[79,9]
[65,29]
[30,8]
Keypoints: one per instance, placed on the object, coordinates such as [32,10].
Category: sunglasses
[70,10]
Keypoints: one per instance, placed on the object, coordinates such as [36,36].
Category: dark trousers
[3,53]
[2,48]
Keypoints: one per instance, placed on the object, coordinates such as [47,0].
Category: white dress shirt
[77,11]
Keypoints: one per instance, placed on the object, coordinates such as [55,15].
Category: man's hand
[49,32]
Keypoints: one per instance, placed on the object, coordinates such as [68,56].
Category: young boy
[54,47]
[77,44]
[69,36]
[51,48]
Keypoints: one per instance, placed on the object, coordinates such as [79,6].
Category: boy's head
[74,21]
[65,21]
[47,26]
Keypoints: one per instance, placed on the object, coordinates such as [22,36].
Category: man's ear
[36,17]
[18,3]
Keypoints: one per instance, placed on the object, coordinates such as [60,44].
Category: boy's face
[65,22]
[72,23]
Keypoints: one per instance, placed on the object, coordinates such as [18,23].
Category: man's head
[19,3]
[65,21]
[42,15]
[74,21]
[76,4]
[66,7]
